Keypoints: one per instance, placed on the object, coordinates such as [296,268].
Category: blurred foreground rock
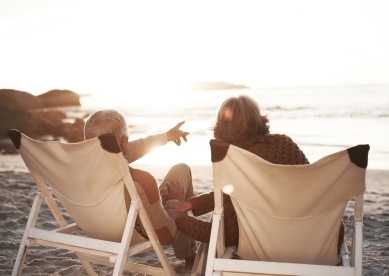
[30,115]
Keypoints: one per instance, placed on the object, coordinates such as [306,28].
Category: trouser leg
[183,174]
[183,246]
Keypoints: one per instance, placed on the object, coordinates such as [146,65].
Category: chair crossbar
[68,229]
[82,244]
[77,241]
[236,266]
[134,267]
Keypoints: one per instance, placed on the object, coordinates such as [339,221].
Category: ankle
[189,260]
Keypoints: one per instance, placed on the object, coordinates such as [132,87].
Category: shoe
[181,268]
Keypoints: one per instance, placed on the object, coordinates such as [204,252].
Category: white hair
[106,121]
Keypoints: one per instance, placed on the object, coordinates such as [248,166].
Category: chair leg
[199,263]
[126,239]
[87,266]
[156,244]
[30,223]
[18,266]
[344,255]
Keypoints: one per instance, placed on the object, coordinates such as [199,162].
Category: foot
[185,266]
[182,268]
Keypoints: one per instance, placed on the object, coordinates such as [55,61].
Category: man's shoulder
[142,176]
[148,183]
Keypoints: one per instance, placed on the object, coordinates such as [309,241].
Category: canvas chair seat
[287,214]
[89,179]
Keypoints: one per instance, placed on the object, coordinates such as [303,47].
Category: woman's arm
[201,230]
[202,204]
[194,228]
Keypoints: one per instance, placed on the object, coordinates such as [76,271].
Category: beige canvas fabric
[87,180]
[289,213]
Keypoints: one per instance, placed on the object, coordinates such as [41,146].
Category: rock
[48,116]
[7,147]
[74,132]
[37,124]
[15,99]
[206,85]
[26,113]
[56,98]
[28,123]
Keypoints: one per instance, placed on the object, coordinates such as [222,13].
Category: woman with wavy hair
[240,123]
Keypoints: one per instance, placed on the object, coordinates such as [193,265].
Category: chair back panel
[87,180]
[288,213]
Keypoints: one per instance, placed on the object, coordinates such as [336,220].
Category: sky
[98,46]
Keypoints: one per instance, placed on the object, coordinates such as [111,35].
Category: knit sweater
[147,188]
[140,147]
[278,149]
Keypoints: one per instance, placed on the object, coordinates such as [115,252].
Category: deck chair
[288,216]
[88,179]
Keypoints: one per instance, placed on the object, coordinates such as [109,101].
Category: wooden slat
[358,208]
[272,268]
[68,229]
[148,226]
[140,248]
[129,266]
[74,241]
[41,183]
[36,205]
[357,252]
[126,238]
[228,254]
[212,244]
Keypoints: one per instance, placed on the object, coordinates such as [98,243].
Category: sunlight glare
[228,189]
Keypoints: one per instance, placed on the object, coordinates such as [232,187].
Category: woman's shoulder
[275,137]
[279,149]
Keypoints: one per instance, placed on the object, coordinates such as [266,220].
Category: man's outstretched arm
[138,148]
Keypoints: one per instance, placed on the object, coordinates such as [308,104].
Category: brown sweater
[279,149]
[147,188]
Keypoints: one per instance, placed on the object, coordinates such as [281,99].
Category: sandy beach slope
[17,191]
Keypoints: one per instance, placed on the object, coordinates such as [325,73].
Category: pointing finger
[179,124]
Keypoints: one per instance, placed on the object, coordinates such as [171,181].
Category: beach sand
[17,191]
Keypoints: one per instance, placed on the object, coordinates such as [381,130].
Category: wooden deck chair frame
[219,260]
[108,253]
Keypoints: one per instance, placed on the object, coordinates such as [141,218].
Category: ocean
[321,120]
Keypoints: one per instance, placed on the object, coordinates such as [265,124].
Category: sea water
[321,120]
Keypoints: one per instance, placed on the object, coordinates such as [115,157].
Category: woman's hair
[105,121]
[239,122]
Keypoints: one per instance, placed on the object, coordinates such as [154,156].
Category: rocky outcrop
[15,99]
[206,85]
[34,116]
[56,98]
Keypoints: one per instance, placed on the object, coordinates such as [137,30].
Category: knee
[182,166]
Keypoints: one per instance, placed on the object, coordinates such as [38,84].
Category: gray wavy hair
[240,122]
[106,121]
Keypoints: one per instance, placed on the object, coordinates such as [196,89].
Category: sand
[17,191]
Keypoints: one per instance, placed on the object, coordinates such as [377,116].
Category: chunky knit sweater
[278,149]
